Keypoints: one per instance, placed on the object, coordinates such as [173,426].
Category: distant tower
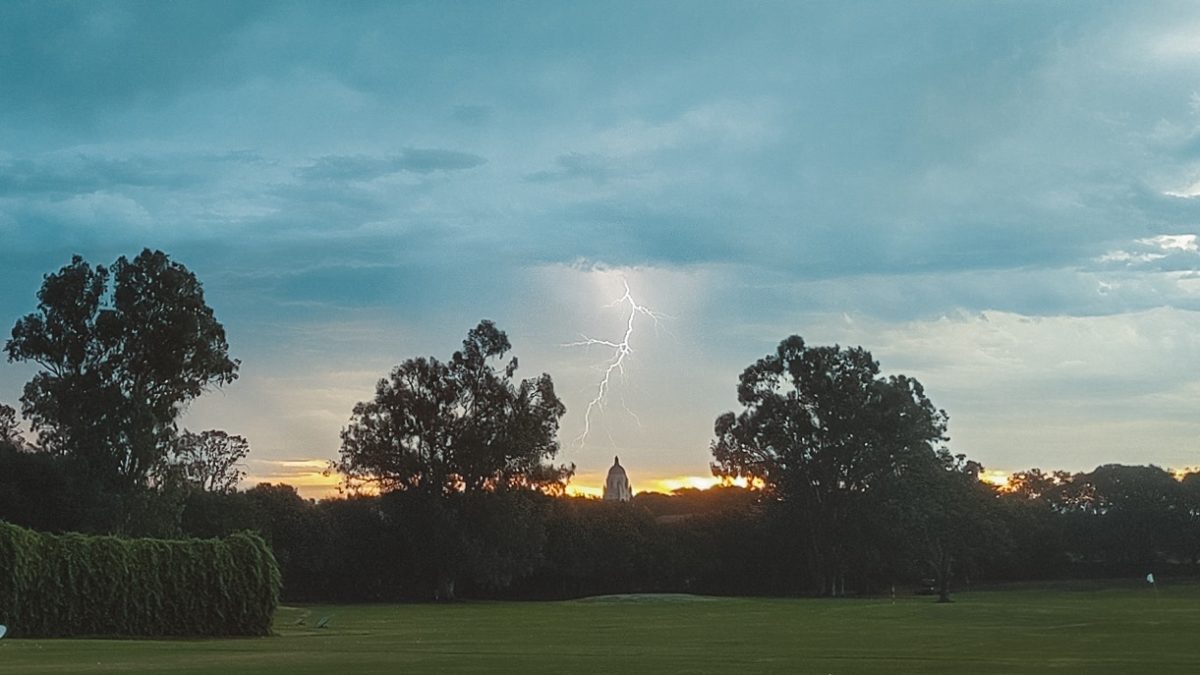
[616,488]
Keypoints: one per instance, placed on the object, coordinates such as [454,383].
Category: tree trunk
[944,579]
[445,588]
[817,570]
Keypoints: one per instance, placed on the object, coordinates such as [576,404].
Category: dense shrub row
[73,584]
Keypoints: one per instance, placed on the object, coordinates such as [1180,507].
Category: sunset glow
[998,479]
[1180,474]
[592,485]
[306,475]
[574,490]
[696,482]
[310,480]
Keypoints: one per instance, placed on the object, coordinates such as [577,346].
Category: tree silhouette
[122,351]
[208,460]
[456,444]
[457,426]
[945,518]
[819,429]
[10,430]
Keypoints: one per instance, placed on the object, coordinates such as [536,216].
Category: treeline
[857,489]
[1114,521]
[1111,522]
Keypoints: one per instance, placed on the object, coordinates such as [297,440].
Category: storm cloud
[389,173]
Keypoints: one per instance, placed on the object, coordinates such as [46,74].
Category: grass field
[1111,628]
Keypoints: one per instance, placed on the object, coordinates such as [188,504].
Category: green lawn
[1075,629]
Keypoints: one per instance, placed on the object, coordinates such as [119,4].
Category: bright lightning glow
[616,364]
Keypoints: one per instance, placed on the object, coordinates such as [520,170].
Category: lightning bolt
[616,363]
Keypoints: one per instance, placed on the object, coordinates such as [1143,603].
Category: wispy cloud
[574,166]
[360,167]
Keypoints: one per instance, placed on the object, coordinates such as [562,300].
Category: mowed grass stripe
[1100,630]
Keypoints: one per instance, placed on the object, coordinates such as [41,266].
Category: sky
[999,199]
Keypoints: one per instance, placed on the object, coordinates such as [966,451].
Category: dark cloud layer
[823,141]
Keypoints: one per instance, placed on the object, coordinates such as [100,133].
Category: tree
[488,538]
[208,460]
[37,491]
[297,532]
[122,350]
[1136,516]
[947,518]
[1036,484]
[1038,542]
[1189,496]
[457,426]
[444,437]
[10,430]
[819,429]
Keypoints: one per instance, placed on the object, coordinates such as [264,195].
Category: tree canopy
[10,430]
[459,425]
[821,420]
[122,351]
[208,460]
[819,429]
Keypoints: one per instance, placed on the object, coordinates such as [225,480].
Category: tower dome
[617,488]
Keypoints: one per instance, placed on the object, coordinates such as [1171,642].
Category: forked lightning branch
[620,350]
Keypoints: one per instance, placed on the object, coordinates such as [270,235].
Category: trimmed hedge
[73,585]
